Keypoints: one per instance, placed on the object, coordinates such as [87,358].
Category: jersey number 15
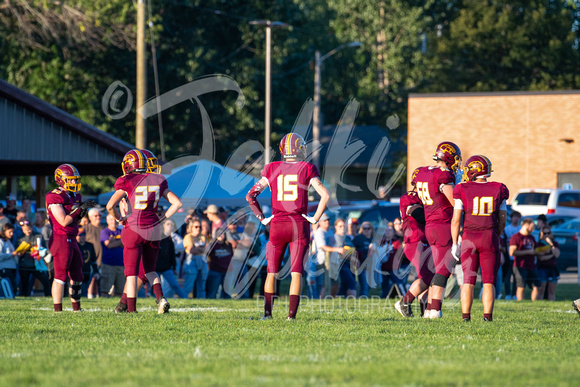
[287,188]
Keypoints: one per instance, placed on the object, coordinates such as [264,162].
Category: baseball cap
[211,209]
[81,231]
[324,217]
[10,197]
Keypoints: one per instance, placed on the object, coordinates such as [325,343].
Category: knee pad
[74,291]
[439,280]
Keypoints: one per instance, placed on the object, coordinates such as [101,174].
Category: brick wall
[520,133]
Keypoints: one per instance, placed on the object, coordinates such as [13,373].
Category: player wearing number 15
[289,181]
[484,205]
[435,189]
[143,232]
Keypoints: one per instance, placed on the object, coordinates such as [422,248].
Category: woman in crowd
[549,251]
[363,242]
[8,256]
[195,268]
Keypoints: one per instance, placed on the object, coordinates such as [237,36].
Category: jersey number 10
[287,188]
[482,206]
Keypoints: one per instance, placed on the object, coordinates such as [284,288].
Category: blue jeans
[170,286]
[214,280]
[315,279]
[364,283]
[391,279]
[195,274]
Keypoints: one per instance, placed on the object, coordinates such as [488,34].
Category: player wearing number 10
[435,189]
[484,205]
[289,181]
[143,232]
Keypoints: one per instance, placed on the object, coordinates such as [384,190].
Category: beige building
[531,138]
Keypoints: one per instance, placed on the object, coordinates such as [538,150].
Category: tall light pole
[267,119]
[316,113]
[140,133]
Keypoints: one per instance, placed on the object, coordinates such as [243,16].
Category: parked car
[554,220]
[381,212]
[566,235]
[547,201]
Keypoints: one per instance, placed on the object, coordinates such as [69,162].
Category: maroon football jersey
[412,230]
[144,191]
[289,182]
[481,202]
[524,242]
[429,181]
[70,201]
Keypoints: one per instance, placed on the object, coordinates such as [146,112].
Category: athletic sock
[408,298]
[293,308]
[268,303]
[124,299]
[76,306]
[157,290]
[436,304]
[428,307]
[131,304]
[466,316]
[58,307]
[488,316]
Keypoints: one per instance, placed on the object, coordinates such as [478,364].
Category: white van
[547,201]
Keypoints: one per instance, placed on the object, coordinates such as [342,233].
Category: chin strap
[253,202]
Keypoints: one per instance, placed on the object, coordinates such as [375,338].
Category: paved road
[568,278]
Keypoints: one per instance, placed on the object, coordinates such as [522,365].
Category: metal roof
[36,137]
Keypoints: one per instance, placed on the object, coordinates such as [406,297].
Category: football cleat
[264,318]
[466,319]
[120,308]
[487,319]
[435,314]
[291,319]
[404,309]
[162,306]
[576,305]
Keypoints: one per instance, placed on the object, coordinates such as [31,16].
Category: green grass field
[203,342]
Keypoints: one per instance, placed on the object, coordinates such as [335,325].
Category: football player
[65,210]
[289,181]
[416,250]
[143,232]
[435,190]
[483,205]
[152,167]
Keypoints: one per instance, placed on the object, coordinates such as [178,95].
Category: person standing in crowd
[347,261]
[522,247]
[416,249]
[20,216]
[27,264]
[3,219]
[549,251]
[483,205]
[435,189]
[142,235]
[219,258]
[363,243]
[64,211]
[212,214]
[27,209]
[166,263]
[90,268]
[8,258]
[195,268]
[178,246]
[289,181]
[508,278]
[93,230]
[255,264]
[113,280]
[392,270]
[11,211]
[324,244]
[398,227]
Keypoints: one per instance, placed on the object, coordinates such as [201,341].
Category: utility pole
[140,132]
